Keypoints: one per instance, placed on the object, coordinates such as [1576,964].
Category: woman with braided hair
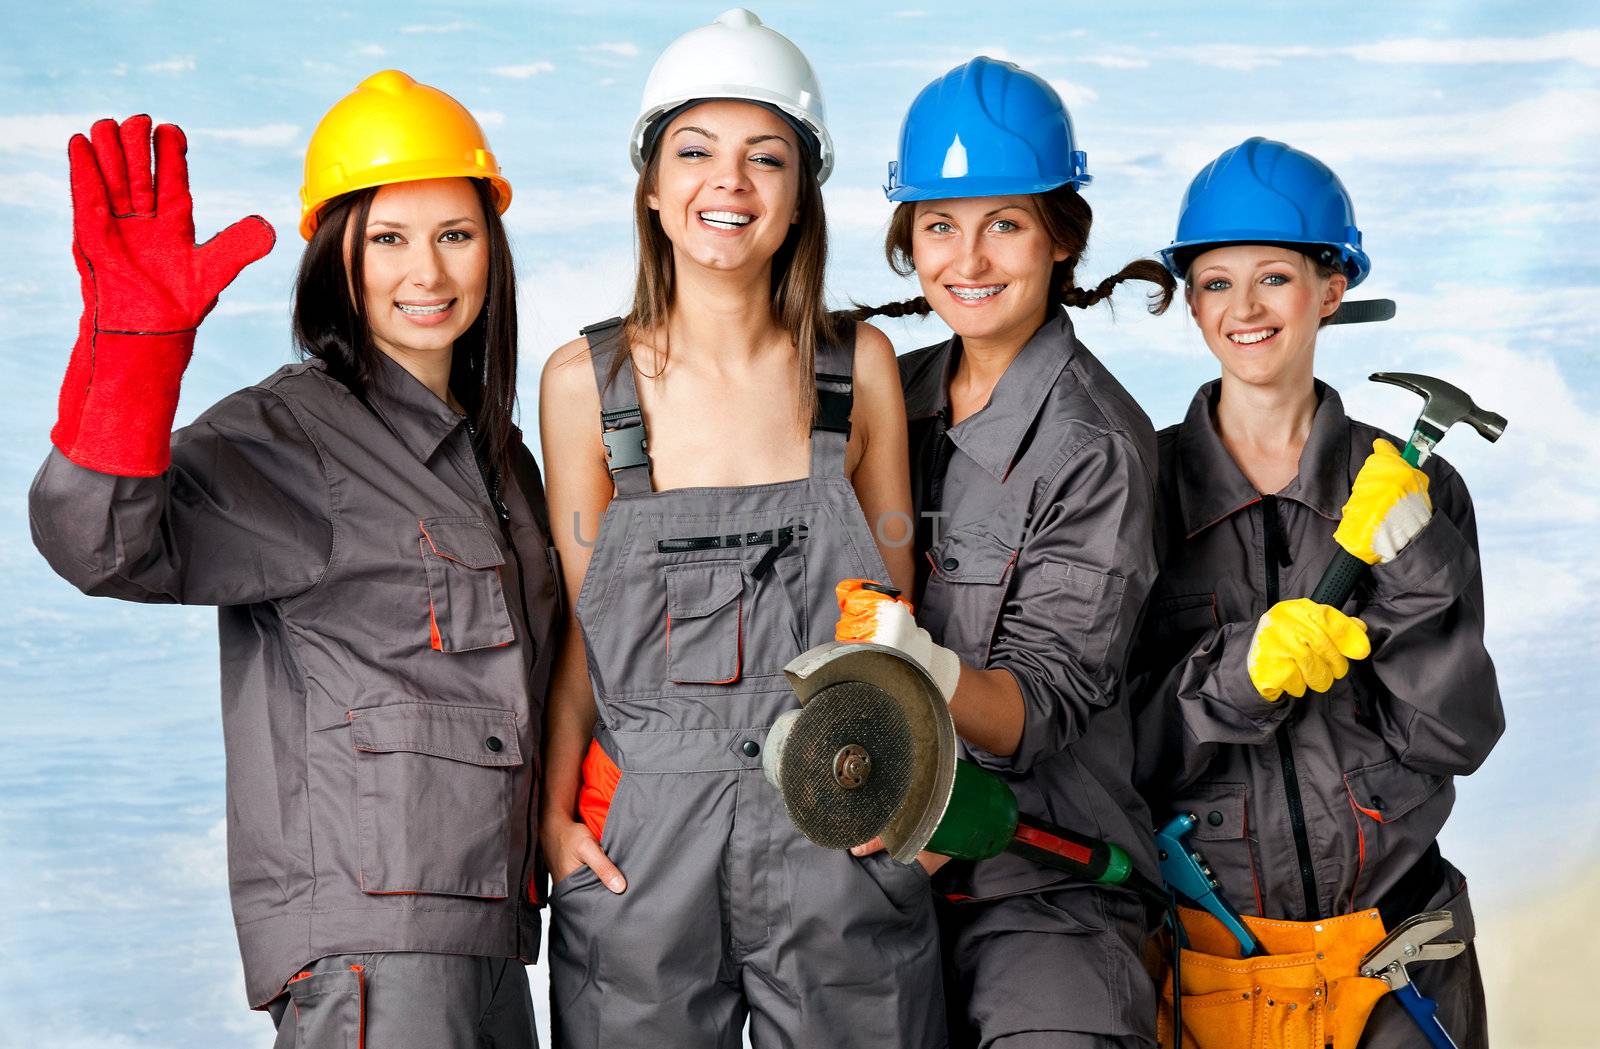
[1033,475]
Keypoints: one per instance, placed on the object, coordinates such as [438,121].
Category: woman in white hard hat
[373,531]
[1309,752]
[1033,474]
[700,561]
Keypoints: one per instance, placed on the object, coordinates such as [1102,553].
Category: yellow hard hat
[393,129]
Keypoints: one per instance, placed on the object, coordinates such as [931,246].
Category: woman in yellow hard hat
[374,533]
[685,901]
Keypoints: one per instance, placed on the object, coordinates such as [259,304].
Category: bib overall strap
[830,431]
[621,420]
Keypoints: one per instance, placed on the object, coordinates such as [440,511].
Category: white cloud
[171,65]
[1115,61]
[445,27]
[41,133]
[372,50]
[265,135]
[1576,45]
[524,71]
[620,48]
[33,189]
[1561,126]
[858,207]
[911,14]
[489,117]
[1074,95]
[539,210]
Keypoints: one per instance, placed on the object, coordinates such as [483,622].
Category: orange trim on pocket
[361,1005]
[433,630]
[1361,849]
[599,777]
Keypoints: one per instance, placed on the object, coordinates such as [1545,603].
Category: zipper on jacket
[1276,555]
[489,475]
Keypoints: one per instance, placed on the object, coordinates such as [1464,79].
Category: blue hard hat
[985,129]
[1265,192]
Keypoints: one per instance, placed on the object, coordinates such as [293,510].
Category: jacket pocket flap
[695,590]
[465,540]
[1389,790]
[1219,813]
[971,557]
[1182,614]
[476,735]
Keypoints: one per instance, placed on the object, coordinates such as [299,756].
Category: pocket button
[750,748]
[493,743]
[951,564]
[1214,818]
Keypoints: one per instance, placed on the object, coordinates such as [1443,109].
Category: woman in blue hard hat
[1315,748]
[685,902]
[1033,473]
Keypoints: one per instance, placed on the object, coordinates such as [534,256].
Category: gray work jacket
[1037,552]
[1355,781]
[385,655]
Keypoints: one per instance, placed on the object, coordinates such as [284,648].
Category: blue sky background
[1468,134]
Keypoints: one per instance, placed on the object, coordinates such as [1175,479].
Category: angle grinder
[872,753]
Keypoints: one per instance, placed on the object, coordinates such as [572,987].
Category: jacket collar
[1213,487]
[992,435]
[412,411]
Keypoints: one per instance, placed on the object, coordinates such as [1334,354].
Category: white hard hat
[735,57]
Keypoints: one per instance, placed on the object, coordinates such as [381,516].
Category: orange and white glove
[1388,506]
[868,615]
[1300,644]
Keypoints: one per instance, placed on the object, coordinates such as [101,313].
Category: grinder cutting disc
[845,765]
[876,758]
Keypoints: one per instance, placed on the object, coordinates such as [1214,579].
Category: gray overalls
[694,600]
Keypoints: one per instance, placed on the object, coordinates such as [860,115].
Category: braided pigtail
[917,307]
[1139,269]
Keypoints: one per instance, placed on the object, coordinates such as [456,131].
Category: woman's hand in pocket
[568,845]
[930,861]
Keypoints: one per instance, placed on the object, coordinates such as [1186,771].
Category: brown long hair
[330,319]
[1066,218]
[797,280]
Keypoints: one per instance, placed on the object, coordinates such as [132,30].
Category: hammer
[1443,405]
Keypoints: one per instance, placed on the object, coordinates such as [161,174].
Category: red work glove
[146,287]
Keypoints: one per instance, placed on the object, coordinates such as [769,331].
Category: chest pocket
[966,590]
[466,600]
[705,623]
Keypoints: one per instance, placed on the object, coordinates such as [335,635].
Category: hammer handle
[1339,579]
[1344,569]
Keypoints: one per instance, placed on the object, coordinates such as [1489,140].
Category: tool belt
[1305,991]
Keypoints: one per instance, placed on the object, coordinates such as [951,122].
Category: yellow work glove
[1300,644]
[1388,506]
[867,615]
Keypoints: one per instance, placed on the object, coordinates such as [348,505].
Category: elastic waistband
[684,750]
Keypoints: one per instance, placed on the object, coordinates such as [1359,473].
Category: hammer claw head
[1444,405]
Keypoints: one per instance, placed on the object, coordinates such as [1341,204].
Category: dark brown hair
[330,319]
[797,279]
[1066,219]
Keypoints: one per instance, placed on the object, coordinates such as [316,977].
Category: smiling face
[1258,306]
[726,182]
[984,264]
[425,266]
